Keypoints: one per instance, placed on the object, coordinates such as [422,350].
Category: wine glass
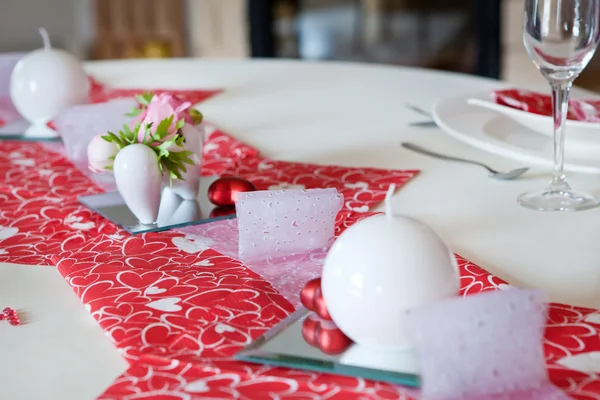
[561,37]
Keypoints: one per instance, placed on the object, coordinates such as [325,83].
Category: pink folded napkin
[8,113]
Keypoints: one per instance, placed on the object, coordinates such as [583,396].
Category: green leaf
[135,111]
[112,138]
[180,124]
[180,140]
[196,115]
[108,138]
[147,135]
[145,98]
[183,156]
[123,137]
[162,130]
[134,134]
[127,135]
[174,174]
[164,146]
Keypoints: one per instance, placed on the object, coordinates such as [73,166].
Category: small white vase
[139,181]
[174,210]
[187,188]
[169,203]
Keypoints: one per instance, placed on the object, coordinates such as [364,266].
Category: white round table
[330,113]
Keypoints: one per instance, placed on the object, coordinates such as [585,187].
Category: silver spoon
[512,174]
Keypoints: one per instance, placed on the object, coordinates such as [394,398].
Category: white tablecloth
[323,113]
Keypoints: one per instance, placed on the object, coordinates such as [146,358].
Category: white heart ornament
[168,304]
[198,386]
[210,147]
[584,362]
[154,290]
[82,226]
[264,166]
[361,209]
[204,263]
[196,245]
[6,232]
[357,185]
[24,162]
[593,318]
[222,328]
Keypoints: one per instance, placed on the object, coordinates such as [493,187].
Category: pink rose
[162,106]
[99,153]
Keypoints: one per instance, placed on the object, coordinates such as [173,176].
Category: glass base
[557,200]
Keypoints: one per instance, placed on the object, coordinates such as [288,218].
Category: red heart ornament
[330,339]
[309,328]
[309,293]
[11,316]
[320,307]
[222,192]
[222,212]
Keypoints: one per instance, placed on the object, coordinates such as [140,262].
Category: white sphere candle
[45,82]
[381,268]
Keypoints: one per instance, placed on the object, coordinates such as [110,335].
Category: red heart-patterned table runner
[99,92]
[178,310]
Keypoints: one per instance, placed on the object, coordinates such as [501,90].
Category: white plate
[489,131]
[577,130]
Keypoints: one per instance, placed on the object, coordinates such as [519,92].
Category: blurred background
[481,37]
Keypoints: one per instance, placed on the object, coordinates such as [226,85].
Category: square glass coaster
[174,212]
[284,346]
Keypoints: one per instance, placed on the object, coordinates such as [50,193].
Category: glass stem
[560,108]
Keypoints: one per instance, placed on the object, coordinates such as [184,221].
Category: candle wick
[388,200]
[45,38]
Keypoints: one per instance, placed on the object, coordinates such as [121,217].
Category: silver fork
[424,113]
[419,110]
[508,175]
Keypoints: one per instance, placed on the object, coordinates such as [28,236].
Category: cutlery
[508,175]
[419,110]
[427,114]
[423,124]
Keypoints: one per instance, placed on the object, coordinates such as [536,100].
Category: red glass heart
[222,212]
[309,328]
[222,192]
[330,339]
[308,293]
[320,307]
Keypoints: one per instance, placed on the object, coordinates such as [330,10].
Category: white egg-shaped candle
[381,268]
[45,82]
